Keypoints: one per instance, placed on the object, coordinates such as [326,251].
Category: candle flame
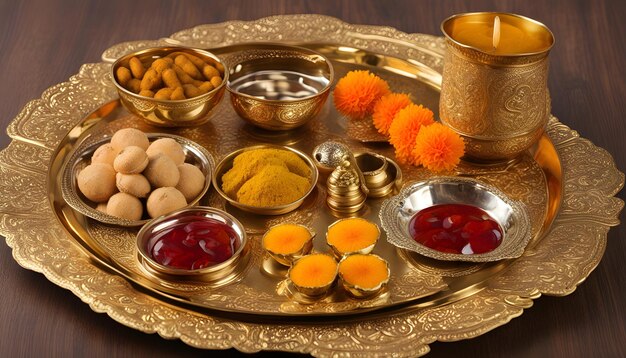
[496,32]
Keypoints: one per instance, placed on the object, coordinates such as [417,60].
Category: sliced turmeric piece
[286,239]
[352,235]
[363,271]
[315,270]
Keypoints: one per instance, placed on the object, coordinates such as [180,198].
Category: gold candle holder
[494,91]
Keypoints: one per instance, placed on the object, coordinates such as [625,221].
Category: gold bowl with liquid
[278,87]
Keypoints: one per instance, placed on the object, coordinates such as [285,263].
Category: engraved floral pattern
[555,265]
[499,109]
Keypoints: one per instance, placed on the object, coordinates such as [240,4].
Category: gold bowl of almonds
[170,86]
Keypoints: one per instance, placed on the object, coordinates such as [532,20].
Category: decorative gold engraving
[499,108]
[34,219]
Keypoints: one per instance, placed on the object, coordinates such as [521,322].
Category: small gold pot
[353,286]
[340,252]
[496,98]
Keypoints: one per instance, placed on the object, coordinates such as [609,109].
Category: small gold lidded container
[382,175]
[364,276]
[495,83]
[286,243]
[150,240]
[347,188]
[171,113]
[328,156]
[278,87]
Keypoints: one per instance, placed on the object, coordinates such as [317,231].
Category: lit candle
[496,32]
[499,33]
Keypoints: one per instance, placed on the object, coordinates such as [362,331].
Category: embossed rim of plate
[545,273]
[226,164]
[395,217]
[211,272]
[82,154]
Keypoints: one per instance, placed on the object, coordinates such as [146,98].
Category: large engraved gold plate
[567,183]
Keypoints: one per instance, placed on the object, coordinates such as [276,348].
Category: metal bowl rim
[262,45]
[141,239]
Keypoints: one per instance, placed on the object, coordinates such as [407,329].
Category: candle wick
[496,32]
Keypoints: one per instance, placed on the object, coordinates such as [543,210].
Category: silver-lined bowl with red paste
[456,228]
[194,242]
[456,219]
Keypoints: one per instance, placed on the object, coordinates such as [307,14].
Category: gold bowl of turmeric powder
[170,86]
[265,179]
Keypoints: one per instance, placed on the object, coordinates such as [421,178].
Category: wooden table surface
[44,42]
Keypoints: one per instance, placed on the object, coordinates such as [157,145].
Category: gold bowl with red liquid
[193,244]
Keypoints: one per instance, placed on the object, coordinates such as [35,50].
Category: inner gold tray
[567,183]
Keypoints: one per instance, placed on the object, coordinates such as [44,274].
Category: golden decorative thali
[567,184]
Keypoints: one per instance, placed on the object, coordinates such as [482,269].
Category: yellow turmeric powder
[267,177]
[293,162]
[241,172]
[272,186]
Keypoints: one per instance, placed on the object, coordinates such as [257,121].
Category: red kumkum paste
[456,228]
[196,243]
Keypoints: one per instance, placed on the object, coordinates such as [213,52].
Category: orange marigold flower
[356,93]
[438,148]
[404,128]
[386,109]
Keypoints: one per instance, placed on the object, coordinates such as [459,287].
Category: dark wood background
[44,42]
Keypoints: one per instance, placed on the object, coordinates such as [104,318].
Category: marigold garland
[386,109]
[411,128]
[438,148]
[405,128]
[357,92]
